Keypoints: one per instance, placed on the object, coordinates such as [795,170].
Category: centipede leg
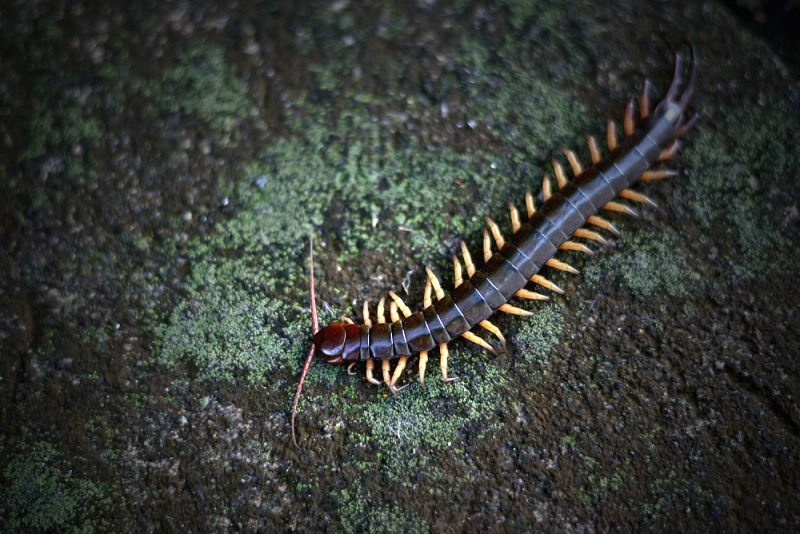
[398,370]
[443,354]
[390,382]
[371,373]
[423,364]
[628,123]
[367,321]
[386,370]
[469,336]
[644,101]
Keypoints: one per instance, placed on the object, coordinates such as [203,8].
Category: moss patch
[414,421]
[361,513]
[40,494]
[203,84]
[736,178]
[647,264]
[536,337]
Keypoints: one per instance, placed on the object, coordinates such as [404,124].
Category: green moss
[361,513]
[599,486]
[529,112]
[668,495]
[413,420]
[59,122]
[64,106]
[411,429]
[647,264]
[40,494]
[205,85]
[537,337]
[228,328]
[735,176]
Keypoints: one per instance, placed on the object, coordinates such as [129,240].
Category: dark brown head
[339,342]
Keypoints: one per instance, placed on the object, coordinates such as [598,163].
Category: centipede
[565,214]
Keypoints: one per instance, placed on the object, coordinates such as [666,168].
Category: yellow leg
[469,336]
[371,373]
[381,307]
[367,321]
[547,188]
[385,370]
[542,281]
[594,149]
[644,101]
[508,308]
[588,234]
[529,204]
[458,278]
[423,364]
[498,237]
[577,247]
[560,265]
[602,223]
[611,135]
[577,168]
[468,259]
[620,208]
[365,312]
[494,330]
[669,151]
[487,246]
[390,382]
[658,175]
[437,287]
[443,354]
[515,222]
[530,295]
[628,123]
[637,197]
[397,302]
[401,365]
[561,176]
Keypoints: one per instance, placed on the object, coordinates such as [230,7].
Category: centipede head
[339,343]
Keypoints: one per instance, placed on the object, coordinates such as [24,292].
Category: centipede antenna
[314,328]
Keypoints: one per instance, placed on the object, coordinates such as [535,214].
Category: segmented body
[533,244]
